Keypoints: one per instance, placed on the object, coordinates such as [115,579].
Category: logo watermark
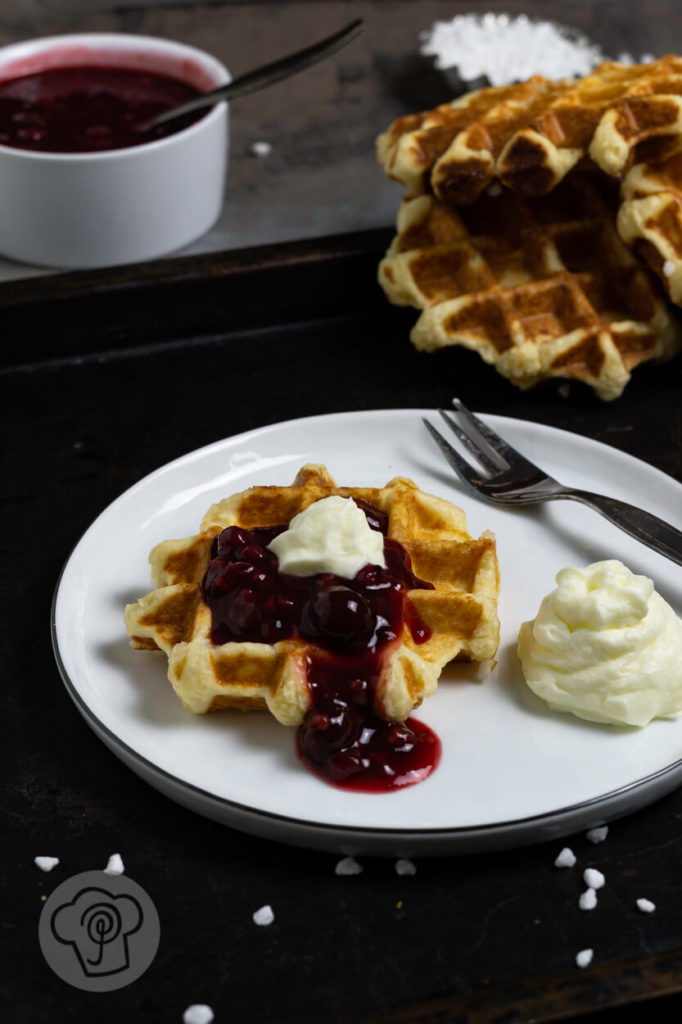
[98,931]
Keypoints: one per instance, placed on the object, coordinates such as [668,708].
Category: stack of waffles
[526,209]
[460,612]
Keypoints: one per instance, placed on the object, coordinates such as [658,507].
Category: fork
[508,478]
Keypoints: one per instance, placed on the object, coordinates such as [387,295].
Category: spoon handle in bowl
[268,74]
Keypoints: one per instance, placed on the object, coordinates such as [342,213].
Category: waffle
[414,144]
[461,611]
[650,218]
[540,288]
[531,134]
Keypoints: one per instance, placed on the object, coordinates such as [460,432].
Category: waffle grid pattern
[650,219]
[531,134]
[461,611]
[514,239]
[539,288]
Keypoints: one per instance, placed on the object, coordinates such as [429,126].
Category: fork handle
[641,525]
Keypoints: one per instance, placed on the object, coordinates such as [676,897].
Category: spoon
[262,77]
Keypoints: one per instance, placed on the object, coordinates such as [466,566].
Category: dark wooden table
[114,374]
[105,376]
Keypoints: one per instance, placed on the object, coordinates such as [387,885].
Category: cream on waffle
[458,616]
[531,134]
[540,288]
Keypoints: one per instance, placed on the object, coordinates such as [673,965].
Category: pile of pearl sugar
[505,49]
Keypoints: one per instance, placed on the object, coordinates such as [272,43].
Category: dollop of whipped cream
[605,646]
[331,535]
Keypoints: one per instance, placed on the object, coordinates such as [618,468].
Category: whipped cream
[331,535]
[605,646]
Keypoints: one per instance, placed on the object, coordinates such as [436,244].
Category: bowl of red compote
[82,186]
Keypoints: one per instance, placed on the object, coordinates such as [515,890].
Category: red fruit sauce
[353,623]
[89,109]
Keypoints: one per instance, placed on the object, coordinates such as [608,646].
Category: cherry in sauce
[352,622]
[345,742]
[88,109]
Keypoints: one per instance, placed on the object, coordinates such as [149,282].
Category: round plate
[512,771]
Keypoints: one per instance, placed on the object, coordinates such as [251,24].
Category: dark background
[106,376]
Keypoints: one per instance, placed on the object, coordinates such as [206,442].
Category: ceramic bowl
[94,209]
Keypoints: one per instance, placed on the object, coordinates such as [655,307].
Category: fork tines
[474,439]
[492,453]
[460,465]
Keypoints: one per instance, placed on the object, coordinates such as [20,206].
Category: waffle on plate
[459,613]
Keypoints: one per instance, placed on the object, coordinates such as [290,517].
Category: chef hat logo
[97,925]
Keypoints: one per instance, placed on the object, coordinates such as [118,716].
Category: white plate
[512,772]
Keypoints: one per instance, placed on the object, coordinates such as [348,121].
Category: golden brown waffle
[540,288]
[461,611]
[650,218]
[414,144]
[530,135]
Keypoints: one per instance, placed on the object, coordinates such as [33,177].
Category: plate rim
[511,823]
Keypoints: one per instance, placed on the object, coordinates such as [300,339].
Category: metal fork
[508,478]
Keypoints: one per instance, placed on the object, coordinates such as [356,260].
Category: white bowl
[122,205]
